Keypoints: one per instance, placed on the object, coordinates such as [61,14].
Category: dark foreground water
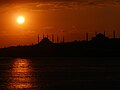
[59,74]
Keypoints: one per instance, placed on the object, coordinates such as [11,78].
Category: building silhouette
[99,45]
[100,37]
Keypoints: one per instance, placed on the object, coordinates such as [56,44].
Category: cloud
[81,1]
[76,4]
[37,5]
[89,2]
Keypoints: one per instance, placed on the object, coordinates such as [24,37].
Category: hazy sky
[71,18]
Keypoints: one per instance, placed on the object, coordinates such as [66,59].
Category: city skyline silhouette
[99,45]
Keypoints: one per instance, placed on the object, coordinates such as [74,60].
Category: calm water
[59,73]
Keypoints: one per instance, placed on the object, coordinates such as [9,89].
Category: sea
[60,73]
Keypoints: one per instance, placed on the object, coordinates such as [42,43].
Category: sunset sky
[71,18]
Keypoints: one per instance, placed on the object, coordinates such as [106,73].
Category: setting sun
[20,19]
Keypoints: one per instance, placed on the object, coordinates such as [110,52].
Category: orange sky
[71,19]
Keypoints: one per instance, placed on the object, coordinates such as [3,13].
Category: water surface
[59,73]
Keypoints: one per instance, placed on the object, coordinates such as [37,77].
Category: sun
[20,19]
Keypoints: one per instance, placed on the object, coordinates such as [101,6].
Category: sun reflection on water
[21,75]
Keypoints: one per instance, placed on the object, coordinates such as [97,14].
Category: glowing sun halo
[20,20]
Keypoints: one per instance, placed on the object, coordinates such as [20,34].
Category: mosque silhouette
[100,45]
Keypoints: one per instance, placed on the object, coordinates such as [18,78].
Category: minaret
[57,39]
[86,36]
[38,38]
[53,38]
[114,34]
[63,39]
[104,33]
